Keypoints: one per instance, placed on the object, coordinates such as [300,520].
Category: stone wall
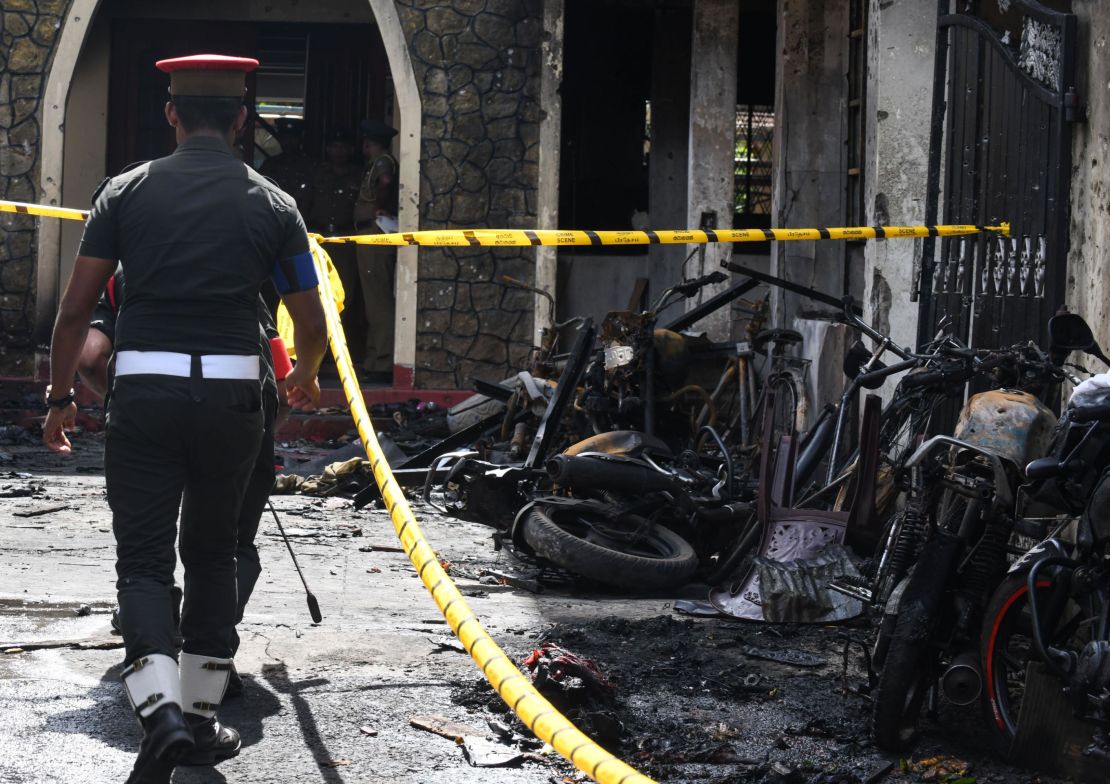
[28,31]
[478,65]
[1088,281]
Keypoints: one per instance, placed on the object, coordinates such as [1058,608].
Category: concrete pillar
[810,133]
[547,197]
[670,130]
[713,138]
[1088,270]
[901,43]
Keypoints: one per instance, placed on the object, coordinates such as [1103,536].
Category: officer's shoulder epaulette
[133,165]
[100,189]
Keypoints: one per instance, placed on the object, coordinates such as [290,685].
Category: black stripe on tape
[519,699]
[594,239]
[433,589]
[448,605]
[402,531]
[711,235]
[880,232]
[425,565]
[465,621]
[506,679]
[768,234]
[626,777]
[537,717]
[532,237]
[491,659]
[470,238]
[825,235]
[653,238]
[555,734]
[577,749]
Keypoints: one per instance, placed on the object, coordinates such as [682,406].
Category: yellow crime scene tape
[562,237]
[522,238]
[43,210]
[539,715]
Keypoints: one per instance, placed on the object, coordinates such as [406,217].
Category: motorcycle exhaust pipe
[962,682]
[590,473]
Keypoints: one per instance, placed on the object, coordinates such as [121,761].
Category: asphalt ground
[334,702]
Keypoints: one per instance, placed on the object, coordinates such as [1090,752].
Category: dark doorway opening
[332,76]
[321,78]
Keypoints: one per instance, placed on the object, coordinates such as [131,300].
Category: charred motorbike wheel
[1006,647]
[910,663]
[585,543]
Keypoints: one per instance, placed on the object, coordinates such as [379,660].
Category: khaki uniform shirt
[333,200]
[293,174]
[366,208]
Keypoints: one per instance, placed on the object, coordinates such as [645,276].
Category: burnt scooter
[626,502]
[1045,640]
[626,387]
[957,532]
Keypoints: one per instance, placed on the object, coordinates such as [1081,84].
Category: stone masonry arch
[72,39]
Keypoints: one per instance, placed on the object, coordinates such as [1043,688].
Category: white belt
[171,363]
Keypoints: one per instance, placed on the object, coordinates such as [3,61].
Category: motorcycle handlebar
[1100,413]
[866,379]
[691,287]
[944,375]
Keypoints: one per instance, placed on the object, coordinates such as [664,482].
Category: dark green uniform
[261,480]
[197,234]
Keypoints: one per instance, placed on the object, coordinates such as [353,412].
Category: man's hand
[53,429]
[302,387]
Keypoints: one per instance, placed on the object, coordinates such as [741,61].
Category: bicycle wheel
[781,387]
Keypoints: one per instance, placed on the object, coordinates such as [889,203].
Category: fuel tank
[1010,423]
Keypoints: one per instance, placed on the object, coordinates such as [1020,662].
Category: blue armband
[296,273]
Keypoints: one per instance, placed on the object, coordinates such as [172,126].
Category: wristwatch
[60,402]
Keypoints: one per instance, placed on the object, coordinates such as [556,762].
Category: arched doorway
[67,167]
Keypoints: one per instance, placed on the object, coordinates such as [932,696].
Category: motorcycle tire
[910,661]
[1005,649]
[660,559]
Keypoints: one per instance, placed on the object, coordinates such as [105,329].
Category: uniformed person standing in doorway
[377,199]
[197,233]
[291,169]
[335,184]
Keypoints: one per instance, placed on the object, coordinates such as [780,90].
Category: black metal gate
[1000,151]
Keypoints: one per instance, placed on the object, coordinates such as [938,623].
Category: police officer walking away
[197,234]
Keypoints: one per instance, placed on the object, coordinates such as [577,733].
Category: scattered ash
[692,704]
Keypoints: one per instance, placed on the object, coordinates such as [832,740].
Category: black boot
[214,741]
[154,689]
[167,738]
[234,684]
[204,681]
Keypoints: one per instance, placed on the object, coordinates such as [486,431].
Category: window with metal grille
[755,132]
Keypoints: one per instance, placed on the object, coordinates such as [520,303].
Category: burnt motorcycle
[1045,639]
[956,532]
